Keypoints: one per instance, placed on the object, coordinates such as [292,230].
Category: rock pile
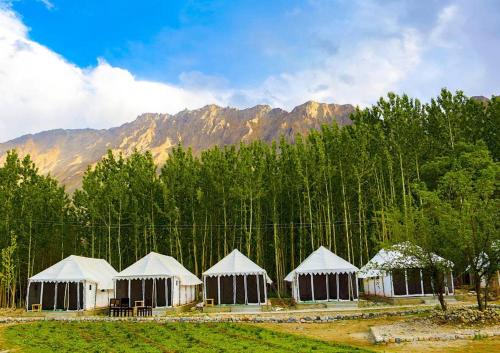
[467,316]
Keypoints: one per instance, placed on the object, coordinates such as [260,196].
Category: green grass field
[54,336]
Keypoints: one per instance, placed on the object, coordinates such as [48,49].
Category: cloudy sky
[100,63]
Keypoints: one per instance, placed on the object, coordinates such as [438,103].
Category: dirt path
[356,333]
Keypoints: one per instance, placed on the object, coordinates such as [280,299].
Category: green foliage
[156,337]
[398,173]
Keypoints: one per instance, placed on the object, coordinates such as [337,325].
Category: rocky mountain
[65,154]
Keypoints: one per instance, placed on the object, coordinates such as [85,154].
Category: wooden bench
[119,307]
[144,311]
[36,307]
[209,302]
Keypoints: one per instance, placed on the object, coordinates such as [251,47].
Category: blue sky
[74,64]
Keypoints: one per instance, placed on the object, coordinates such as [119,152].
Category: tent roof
[155,265]
[394,258]
[78,268]
[322,261]
[236,263]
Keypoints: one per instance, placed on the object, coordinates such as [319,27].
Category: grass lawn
[53,336]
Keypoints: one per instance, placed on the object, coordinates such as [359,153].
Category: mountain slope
[65,154]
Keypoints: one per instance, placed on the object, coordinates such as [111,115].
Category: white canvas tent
[158,280]
[324,276]
[393,273]
[236,280]
[74,283]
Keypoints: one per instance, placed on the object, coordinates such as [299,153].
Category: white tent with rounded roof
[324,276]
[393,272]
[74,283]
[157,280]
[236,280]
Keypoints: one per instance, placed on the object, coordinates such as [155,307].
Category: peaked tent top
[155,265]
[78,268]
[395,257]
[322,261]
[235,263]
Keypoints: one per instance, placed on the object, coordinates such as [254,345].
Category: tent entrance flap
[305,287]
[226,290]
[319,282]
[161,298]
[344,292]
[121,286]
[34,293]
[148,292]
[399,282]
[211,289]
[332,286]
[240,289]
[75,295]
[61,296]
[135,291]
[414,281]
[49,292]
[169,292]
[252,293]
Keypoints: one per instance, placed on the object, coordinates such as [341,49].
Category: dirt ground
[356,333]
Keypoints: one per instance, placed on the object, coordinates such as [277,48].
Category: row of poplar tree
[403,171]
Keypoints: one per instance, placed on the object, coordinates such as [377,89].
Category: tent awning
[395,257]
[235,264]
[155,265]
[76,269]
[322,261]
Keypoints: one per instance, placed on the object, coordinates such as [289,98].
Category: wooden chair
[209,302]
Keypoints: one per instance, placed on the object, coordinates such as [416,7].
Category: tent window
[90,287]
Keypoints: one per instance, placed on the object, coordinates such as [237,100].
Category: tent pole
[218,290]
[327,289]
[406,282]
[312,286]
[55,296]
[337,278]
[258,289]
[41,296]
[349,286]
[298,288]
[129,298]
[357,287]
[66,299]
[143,292]
[84,296]
[204,289]
[392,284]
[114,288]
[422,283]
[166,291]
[77,296]
[246,288]
[265,289]
[153,294]
[28,295]
[234,289]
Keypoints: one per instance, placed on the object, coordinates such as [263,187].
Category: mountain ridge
[66,153]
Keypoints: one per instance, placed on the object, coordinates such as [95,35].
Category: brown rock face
[65,154]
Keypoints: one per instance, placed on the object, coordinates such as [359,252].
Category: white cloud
[380,52]
[358,74]
[40,90]
[48,4]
